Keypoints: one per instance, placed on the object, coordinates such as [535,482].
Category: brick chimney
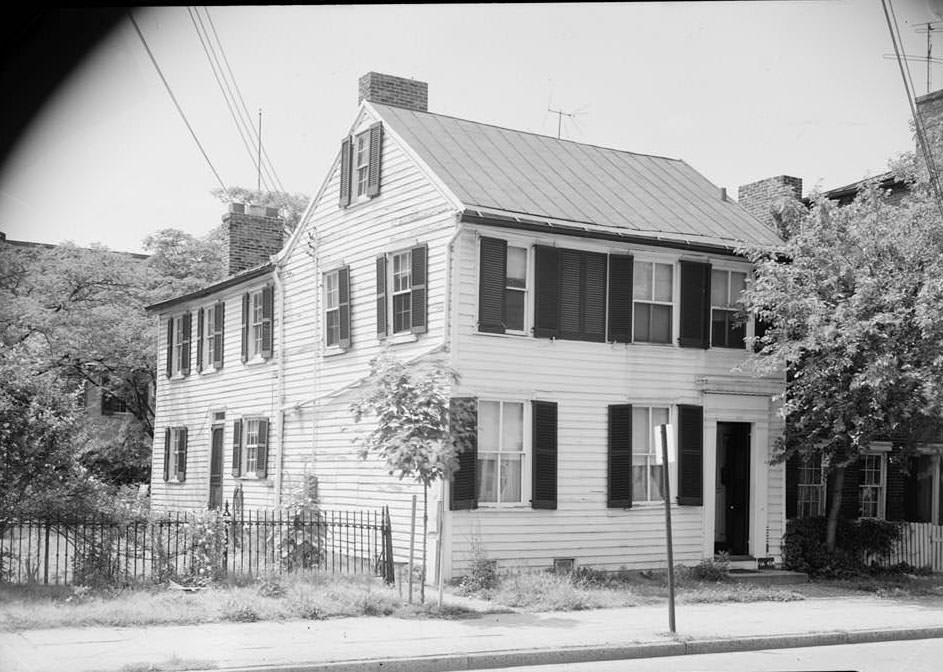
[761,198]
[251,234]
[397,91]
[930,109]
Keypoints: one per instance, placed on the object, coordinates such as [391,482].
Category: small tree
[411,407]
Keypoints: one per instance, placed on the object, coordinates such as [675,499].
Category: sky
[739,90]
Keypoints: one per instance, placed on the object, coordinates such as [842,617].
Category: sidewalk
[492,640]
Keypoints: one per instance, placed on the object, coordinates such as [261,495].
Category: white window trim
[355,167]
[527,244]
[173,469]
[820,486]
[673,304]
[729,307]
[245,472]
[208,337]
[882,496]
[526,455]
[672,471]
[392,335]
[332,348]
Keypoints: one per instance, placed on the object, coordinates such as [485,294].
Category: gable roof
[514,175]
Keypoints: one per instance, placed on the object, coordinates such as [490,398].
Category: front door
[733,478]
[216,469]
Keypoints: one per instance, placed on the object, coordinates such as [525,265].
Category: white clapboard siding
[584,378]
[320,385]
[236,389]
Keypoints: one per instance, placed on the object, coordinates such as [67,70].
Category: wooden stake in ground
[412,547]
[440,580]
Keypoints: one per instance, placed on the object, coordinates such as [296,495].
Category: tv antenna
[560,114]
[929,27]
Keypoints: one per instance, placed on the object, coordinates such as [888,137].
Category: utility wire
[214,64]
[245,109]
[918,121]
[174,99]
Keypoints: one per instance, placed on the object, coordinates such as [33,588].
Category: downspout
[280,385]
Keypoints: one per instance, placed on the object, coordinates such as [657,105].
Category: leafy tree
[410,403]
[186,262]
[854,303]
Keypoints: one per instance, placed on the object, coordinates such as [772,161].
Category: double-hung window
[502,287]
[250,447]
[209,348]
[652,294]
[337,308]
[175,454]
[810,496]
[727,323]
[255,325]
[209,333]
[178,344]
[872,486]
[647,476]
[361,162]
[500,452]
[257,317]
[360,165]
[401,292]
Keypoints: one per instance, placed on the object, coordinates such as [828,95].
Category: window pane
[332,330]
[719,328]
[719,288]
[330,290]
[656,475]
[514,309]
[640,431]
[512,438]
[517,267]
[738,283]
[639,481]
[511,479]
[661,324]
[642,322]
[487,478]
[488,426]
[401,312]
[659,416]
[663,282]
[642,280]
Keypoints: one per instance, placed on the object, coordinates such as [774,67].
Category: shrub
[235,610]
[856,541]
[709,569]
[483,574]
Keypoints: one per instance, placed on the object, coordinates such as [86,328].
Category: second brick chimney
[251,234]
[397,91]
[761,198]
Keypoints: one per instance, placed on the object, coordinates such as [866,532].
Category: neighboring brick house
[583,294]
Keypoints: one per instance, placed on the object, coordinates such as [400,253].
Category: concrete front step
[770,577]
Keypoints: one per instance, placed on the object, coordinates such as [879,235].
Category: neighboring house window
[112,404]
[502,287]
[360,165]
[871,488]
[401,292]
[250,447]
[178,344]
[727,326]
[500,452]
[209,351]
[175,454]
[647,477]
[810,496]
[257,316]
[653,289]
[337,308]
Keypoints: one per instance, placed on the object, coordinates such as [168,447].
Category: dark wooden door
[735,437]
[216,469]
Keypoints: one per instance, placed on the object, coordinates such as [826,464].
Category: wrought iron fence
[195,545]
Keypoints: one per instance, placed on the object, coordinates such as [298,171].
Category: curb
[587,654]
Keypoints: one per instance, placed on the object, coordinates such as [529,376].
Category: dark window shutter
[376,153]
[463,423]
[245,327]
[690,455]
[593,297]
[187,337]
[620,298]
[170,347]
[381,296]
[237,448]
[199,339]
[695,304]
[792,486]
[182,459]
[261,458]
[544,494]
[346,148]
[219,319]
[895,495]
[492,281]
[166,454]
[620,457]
[268,309]
[546,292]
[419,277]
[343,306]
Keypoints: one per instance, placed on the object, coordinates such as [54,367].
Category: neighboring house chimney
[251,234]
[760,198]
[930,109]
[396,91]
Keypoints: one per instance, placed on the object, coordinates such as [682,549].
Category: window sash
[401,296]
[647,476]
[250,450]
[178,344]
[653,302]
[256,324]
[177,448]
[209,332]
[501,454]
[515,290]
[332,322]
[871,488]
[362,162]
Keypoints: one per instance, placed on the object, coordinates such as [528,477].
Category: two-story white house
[584,295]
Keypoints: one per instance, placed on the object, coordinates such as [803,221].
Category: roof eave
[233,281]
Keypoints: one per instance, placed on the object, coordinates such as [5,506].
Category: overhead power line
[170,92]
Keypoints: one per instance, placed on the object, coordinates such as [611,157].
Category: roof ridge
[516,130]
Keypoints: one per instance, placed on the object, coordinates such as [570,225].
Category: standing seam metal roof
[494,169]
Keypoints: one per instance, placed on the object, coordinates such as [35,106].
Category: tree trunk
[425,531]
[831,524]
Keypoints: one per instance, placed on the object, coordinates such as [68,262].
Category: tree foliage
[854,302]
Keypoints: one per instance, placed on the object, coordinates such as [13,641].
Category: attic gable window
[360,165]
